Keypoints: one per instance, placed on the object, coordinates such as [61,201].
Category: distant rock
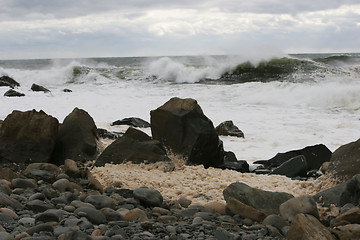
[181,125]
[315,156]
[67,90]
[28,137]
[13,93]
[38,88]
[103,133]
[265,201]
[77,138]
[134,146]
[228,128]
[132,121]
[345,161]
[8,82]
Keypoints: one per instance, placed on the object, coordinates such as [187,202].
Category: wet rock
[13,93]
[308,227]
[27,136]
[38,88]
[265,201]
[101,201]
[315,156]
[132,121]
[303,204]
[148,197]
[6,81]
[228,128]
[296,166]
[77,138]
[181,125]
[93,215]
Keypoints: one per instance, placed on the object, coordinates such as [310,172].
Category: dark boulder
[348,192]
[228,128]
[240,166]
[28,136]
[265,201]
[77,138]
[296,166]
[67,90]
[181,125]
[8,82]
[134,146]
[103,133]
[315,156]
[345,161]
[13,93]
[38,88]
[133,121]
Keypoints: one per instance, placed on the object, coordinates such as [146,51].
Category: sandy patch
[196,183]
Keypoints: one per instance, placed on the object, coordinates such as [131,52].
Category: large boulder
[315,156]
[345,161]
[134,146]
[8,82]
[77,138]
[265,201]
[296,166]
[181,125]
[28,137]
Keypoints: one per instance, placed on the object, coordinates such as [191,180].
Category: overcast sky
[110,28]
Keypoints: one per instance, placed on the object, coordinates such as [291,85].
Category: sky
[119,28]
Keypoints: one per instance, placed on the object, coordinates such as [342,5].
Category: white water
[275,116]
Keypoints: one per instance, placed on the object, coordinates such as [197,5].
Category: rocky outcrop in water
[228,128]
[6,81]
[132,121]
[13,93]
[181,125]
[38,88]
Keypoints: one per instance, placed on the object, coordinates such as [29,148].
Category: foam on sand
[196,183]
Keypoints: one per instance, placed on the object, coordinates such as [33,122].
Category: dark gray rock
[71,235]
[112,215]
[4,187]
[46,217]
[77,138]
[39,206]
[315,156]
[103,133]
[40,228]
[148,197]
[228,128]
[265,201]
[5,219]
[6,81]
[13,93]
[136,147]
[101,201]
[348,192]
[23,183]
[27,136]
[296,166]
[275,221]
[132,121]
[38,88]
[7,201]
[240,166]
[181,125]
[93,215]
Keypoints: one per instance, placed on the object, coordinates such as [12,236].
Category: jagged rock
[132,121]
[303,204]
[345,161]
[38,88]
[136,147]
[8,82]
[315,156]
[13,93]
[181,125]
[77,138]
[348,192]
[296,166]
[308,227]
[267,202]
[28,136]
[103,133]
[228,128]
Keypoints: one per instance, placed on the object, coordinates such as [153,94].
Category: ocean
[281,103]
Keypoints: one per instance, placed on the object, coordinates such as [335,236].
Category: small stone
[184,202]
[40,228]
[9,212]
[38,205]
[5,200]
[350,231]
[303,204]
[275,221]
[71,168]
[64,185]
[23,183]
[148,196]
[197,220]
[4,187]
[112,215]
[222,234]
[100,201]
[93,215]
[46,217]
[39,196]
[27,221]
[136,214]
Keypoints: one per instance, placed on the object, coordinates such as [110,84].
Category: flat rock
[132,121]
[265,201]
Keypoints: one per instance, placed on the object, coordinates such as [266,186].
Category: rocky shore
[59,182]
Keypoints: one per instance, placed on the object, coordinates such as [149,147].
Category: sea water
[281,103]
